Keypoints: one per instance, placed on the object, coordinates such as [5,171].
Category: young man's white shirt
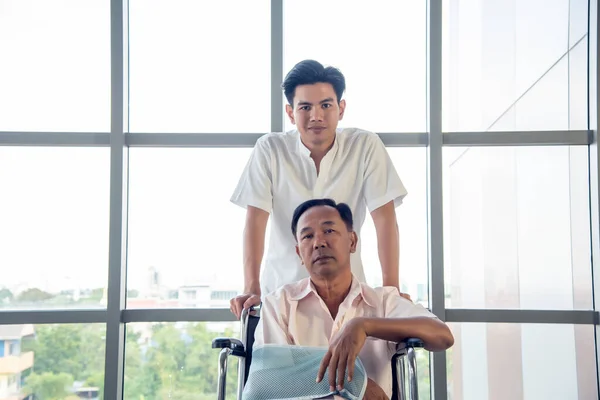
[296,315]
[280,175]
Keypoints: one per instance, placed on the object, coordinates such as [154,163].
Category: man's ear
[342,109]
[289,110]
[298,252]
[353,242]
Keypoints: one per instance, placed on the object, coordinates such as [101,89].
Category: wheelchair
[405,355]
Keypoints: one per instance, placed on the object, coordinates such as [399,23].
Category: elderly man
[333,309]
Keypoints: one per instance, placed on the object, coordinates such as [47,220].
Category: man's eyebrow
[306,228]
[307,103]
[328,223]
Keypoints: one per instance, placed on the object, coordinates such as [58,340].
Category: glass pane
[494,52]
[412,222]
[185,237]
[578,86]
[197,66]
[517,228]
[56,70]
[184,245]
[176,360]
[54,210]
[423,375]
[382,52]
[578,20]
[52,361]
[522,361]
[544,107]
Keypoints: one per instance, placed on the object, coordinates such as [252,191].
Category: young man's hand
[406,296]
[342,353]
[243,301]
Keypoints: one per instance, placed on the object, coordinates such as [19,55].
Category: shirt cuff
[263,205]
[395,196]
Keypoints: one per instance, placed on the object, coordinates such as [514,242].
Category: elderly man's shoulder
[288,292]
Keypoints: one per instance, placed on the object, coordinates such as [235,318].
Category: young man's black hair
[309,72]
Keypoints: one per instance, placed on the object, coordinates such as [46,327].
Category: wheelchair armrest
[235,345]
[222,342]
[405,356]
[410,342]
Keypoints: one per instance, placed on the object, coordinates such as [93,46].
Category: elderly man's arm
[435,334]
[388,243]
[346,345]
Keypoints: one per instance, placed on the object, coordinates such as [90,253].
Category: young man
[346,316]
[316,160]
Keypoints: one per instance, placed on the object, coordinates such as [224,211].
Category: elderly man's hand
[342,353]
[238,303]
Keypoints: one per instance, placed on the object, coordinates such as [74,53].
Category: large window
[54,361]
[190,66]
[517,228]
[183,230]
[125,126]
[54,227]
[56,70]
[176,361]
[518,361]
[412,224]
[496,53]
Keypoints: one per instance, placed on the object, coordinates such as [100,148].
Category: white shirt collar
[302,149]
[305,287]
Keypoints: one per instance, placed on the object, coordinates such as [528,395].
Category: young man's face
[324,242]
[316,113]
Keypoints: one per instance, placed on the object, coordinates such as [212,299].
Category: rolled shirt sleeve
[255,186]
[381,181]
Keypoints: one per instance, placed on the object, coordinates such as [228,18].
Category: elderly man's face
[324,242]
